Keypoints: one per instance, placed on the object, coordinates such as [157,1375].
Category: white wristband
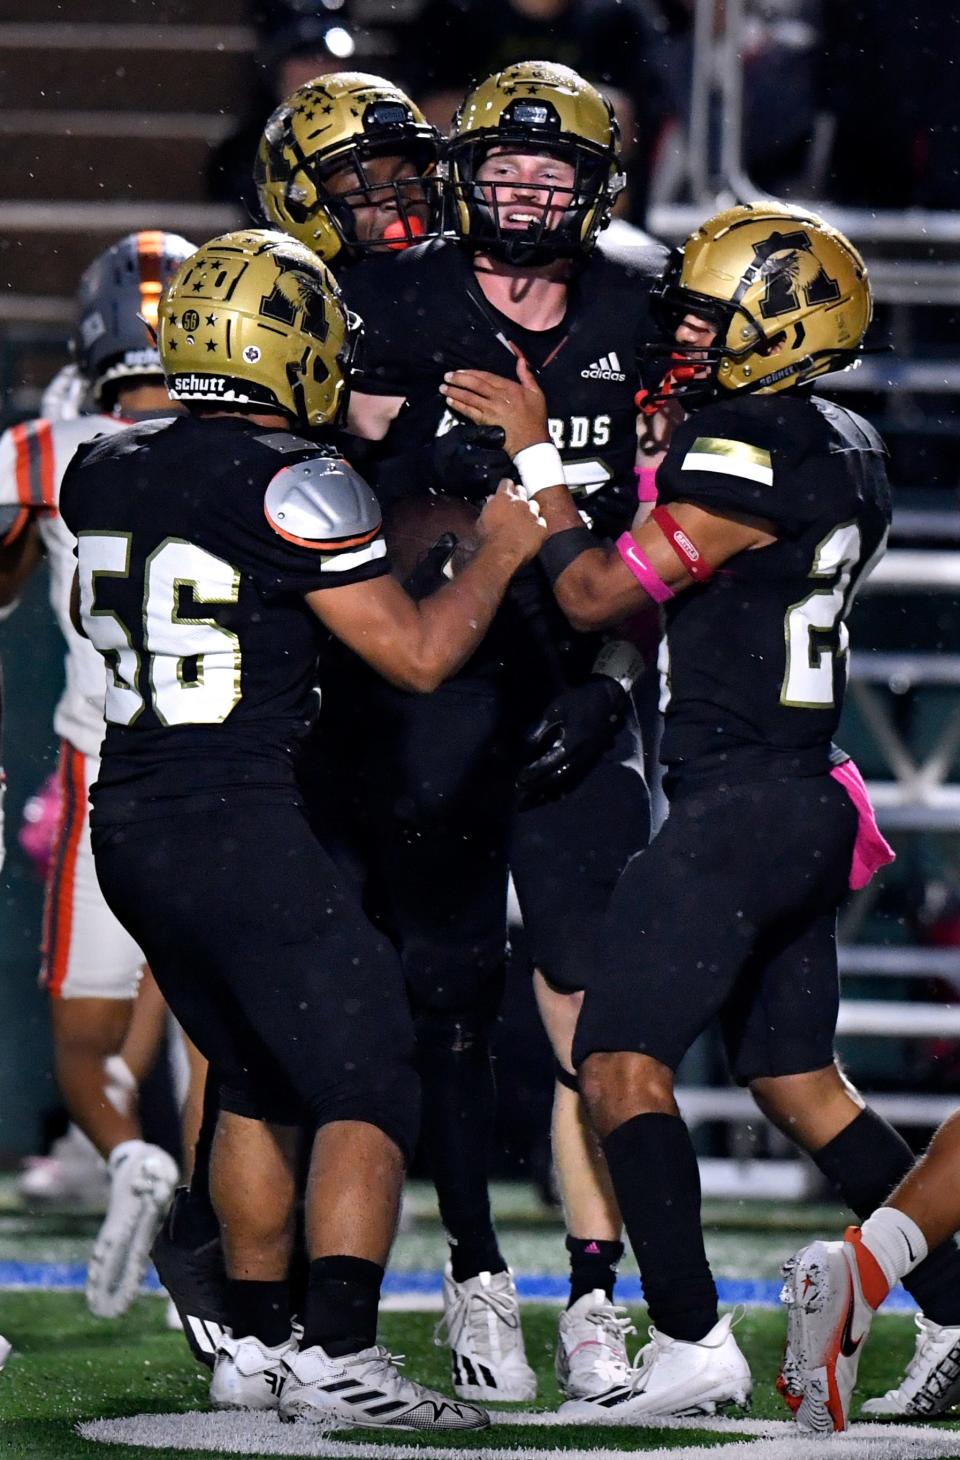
[540,467]
[621,661]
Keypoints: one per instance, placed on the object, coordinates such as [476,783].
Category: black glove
[428,575]
[572,734]
[469,461]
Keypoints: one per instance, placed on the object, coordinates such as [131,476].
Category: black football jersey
[424,314]
[192,583]
[755,660]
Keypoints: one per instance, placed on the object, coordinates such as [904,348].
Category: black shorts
[440,783]
[730,912]
[450,825]
[567,856]
[264,956]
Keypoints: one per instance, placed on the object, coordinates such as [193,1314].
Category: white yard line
[258,1434]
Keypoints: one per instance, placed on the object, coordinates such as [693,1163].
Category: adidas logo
[606,368]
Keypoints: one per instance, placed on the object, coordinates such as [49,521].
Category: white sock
[895,1241]
[120,1085]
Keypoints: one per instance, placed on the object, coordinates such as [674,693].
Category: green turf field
[68,1367]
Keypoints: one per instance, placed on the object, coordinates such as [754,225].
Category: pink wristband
[646,483]
[642,569]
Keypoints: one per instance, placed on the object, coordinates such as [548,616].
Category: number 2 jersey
[754,661]
[197,541]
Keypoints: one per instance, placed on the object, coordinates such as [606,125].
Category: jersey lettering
[107,555]
[193,662]
[808,682]
[576,432]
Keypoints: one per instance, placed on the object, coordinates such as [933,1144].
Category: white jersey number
[193,663]
[808,679]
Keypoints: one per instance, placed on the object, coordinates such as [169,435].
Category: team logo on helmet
[275,330]
[787,293]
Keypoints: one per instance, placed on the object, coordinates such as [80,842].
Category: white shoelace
[613,1321]
[922,1353]
[503,1304]
[382,1360]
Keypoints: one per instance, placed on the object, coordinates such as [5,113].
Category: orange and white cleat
[831,1291]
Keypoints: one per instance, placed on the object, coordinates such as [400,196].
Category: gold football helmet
[789,296]
[339,122]
[539,107]
[254,318]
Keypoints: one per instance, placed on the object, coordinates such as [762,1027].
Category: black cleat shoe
[189,1261]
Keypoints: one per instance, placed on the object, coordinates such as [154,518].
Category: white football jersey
[33,459]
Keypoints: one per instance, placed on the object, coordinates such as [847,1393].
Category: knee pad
[391,1103]
[253,1103]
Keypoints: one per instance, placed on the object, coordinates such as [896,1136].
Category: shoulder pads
[288,444]
[322,503]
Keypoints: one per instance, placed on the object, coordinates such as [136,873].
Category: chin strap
[649,402]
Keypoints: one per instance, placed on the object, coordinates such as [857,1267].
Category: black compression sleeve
[559,551]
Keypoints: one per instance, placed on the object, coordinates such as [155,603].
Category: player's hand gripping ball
[513,522]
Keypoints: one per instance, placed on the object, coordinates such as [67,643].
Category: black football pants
[265,957]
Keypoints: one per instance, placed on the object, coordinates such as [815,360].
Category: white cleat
[831,1290]
[6,1349]
[592,1348]
[247,1374]
[673,1377]
[931,1385]
[367,1389]
[142,1181]
[481,1324]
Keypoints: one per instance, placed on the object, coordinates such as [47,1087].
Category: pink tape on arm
[642,569]
[646,483]
[871,850]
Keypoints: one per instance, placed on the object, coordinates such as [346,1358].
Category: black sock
[200,1205]
[654,1172]
[343,1295]
[260,1310]
[864,1163]
[593,1264]
[459,1100]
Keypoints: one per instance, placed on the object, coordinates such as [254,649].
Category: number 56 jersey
[754,662]
[197,541]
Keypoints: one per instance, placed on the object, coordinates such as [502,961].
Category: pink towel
[871,850]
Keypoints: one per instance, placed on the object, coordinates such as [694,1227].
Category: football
[413,525]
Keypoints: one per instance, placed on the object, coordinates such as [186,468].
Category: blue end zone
[70,1277]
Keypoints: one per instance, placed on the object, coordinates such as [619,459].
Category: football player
[532,172]
[211,549]
[346,165]
[732,910]
[91,966]
[833,1289]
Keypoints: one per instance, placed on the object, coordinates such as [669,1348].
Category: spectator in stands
[298,42]
[616,44]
